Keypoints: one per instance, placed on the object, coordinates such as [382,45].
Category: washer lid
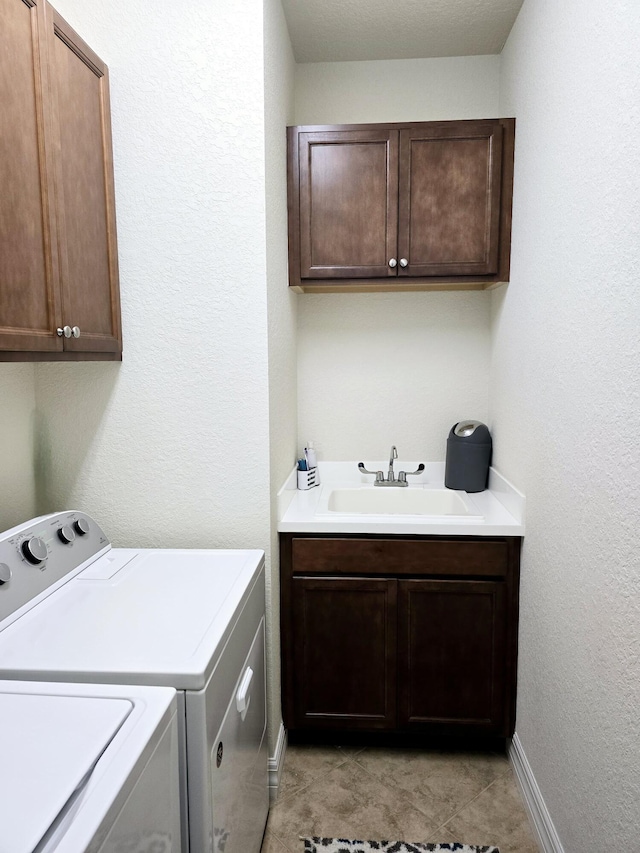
[50,744]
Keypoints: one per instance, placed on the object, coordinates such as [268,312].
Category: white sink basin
[397,501]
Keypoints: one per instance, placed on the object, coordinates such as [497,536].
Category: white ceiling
[340,30]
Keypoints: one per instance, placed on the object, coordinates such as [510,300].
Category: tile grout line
[344,760]
[286,846]
[301,790]
[415,804]
[362,770]
[391,788]
[448,820]
[353,760]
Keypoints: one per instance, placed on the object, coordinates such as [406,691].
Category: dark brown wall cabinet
[59,295]
[399,634]
[400,207]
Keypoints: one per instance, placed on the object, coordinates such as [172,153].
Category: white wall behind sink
[390,368]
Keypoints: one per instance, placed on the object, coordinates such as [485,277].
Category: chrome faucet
[391,477]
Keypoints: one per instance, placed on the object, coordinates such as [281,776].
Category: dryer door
[228,773]
[239,762]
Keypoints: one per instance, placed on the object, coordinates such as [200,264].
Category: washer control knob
[5,573]
[81,526]
[66,534]
[35,550]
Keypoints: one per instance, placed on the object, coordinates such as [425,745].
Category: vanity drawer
[397,556]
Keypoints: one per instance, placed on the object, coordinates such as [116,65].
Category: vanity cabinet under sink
[399,633]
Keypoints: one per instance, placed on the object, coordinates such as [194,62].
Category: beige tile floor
[397,795]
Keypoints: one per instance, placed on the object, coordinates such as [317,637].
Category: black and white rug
[342,845]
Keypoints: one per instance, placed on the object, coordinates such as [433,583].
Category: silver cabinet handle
[393,263]
[60,331]
[75,331]
[66,331]
[404,262]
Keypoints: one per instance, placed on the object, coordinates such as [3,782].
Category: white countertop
[498,511]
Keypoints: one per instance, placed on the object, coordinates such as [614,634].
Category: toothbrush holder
[308,479]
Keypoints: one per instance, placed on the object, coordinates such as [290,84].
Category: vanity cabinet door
[29,286]
[344,653]
[452,654]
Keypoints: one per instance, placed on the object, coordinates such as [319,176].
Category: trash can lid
[466,427]
[475,431]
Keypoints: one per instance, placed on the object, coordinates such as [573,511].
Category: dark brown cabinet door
[29,303]
[85,194]
[449,199]
[452,654]
[58,256]
[348,182]
[344,653]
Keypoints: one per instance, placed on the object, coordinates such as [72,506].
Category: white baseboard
[547,837]
[276,763]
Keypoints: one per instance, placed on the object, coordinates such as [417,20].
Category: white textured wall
[171,447]
[398,368]
[379,369]
[17,444]
[565,403]
[397,90]
[281,310]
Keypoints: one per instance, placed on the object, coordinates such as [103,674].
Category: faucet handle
[402,476]
[378,474]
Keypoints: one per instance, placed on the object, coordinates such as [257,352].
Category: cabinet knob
[68,332]
[393,263]
[404,262]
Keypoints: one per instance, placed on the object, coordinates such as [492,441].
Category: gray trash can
[468,457]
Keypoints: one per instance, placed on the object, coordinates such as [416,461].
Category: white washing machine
[74,609]
[88,768]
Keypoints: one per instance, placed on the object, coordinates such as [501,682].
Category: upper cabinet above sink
[59,294]
[400,206]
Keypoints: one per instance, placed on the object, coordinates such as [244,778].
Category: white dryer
[74,609]
[88,768]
